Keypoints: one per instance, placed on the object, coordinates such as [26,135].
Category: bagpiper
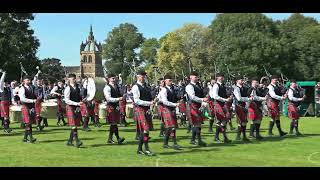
[5,101]
[195,97]
[113,96]
[218,99]
[273,101]
[142,102]
[295,97]
[255,108]
[168,101]
[240,94]
[73,100]
[57,92]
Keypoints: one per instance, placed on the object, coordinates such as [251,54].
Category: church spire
[91,37]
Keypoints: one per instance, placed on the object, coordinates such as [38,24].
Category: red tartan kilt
[274,109]
[241,115]
[219,111]
[141,117]
[195,114]
[293,112]
[59,102]
[73,119]
[254,112]
[26,116]
[168,116]
[38,108]
[122,106]
[211,108]
[182,107]
[160,110]
[85,111]
[113,115]
[5,109]
[228,106]
[96,107]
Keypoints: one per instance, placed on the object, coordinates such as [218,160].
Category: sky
[60,34]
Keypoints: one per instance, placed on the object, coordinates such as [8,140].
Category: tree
[52,70]
[17,44]
[120,49]
[245,43]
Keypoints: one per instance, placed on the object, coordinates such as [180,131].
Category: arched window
[84,59]
[90,59]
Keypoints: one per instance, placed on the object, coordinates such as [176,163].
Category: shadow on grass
[192,150]
[64,140]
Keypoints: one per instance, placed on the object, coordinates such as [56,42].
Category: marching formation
[187,103]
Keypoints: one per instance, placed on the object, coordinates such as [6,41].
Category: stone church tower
[91,60]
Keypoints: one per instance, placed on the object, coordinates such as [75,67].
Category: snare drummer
[87,108]
[28,99]
[113,96]
[73,101]
[5,99]
[57,92]
[39,91]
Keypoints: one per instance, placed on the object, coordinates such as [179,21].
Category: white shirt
[107,94]
[213,93]
[163,97]
[136,96]
[255,97]
[273,94]
[191,93]
[23,96]
[2,81]
[291,97]
[237,94]
[67,97]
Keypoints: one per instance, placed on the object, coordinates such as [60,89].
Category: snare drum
[49,109]
[102,111]
[129,110]
[15,113]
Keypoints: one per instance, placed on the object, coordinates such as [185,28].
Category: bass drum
[102,111]
[15,114]
[129,110]
[49,109]
[95,88]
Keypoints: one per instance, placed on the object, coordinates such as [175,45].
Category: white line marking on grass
[309,158]
[157,162]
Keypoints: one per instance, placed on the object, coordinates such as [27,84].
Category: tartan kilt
[293,111]
[96,107]
[240,113]
[228,107]
[122,106]
[59,102]
[182,107]
[160,110]
[113,115]
[141,117]
[195,115]
[169,117]
[254,112]
[211,108]
[37,108]
[74,118]
[5,109]
[86,111]
[26,116]
[220,111]
[273,109]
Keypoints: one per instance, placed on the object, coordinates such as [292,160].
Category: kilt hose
[141,117]
[28,113]
[274,109]
[73,115]
[87,109]
[5,106]
[195,115]
[240,113]
[122,106]
[254,111]
[169,117]
[113,115]
[182,106]
[293,112]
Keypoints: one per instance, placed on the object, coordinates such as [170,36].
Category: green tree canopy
[52,70]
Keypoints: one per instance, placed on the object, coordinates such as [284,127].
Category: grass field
[50,149]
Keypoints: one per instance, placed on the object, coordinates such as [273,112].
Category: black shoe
[78,144]
[282,133]
[86,129]
[161,135]
[166,146]
[201,143]
[120,141]
[149,153]
[64,123]
[298,134]
[32,140]
[110,141]
[193,142]
[69,143]
[24,140]
[7,131]
[140,152]
[40,128]
[176,147]
[217,140]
